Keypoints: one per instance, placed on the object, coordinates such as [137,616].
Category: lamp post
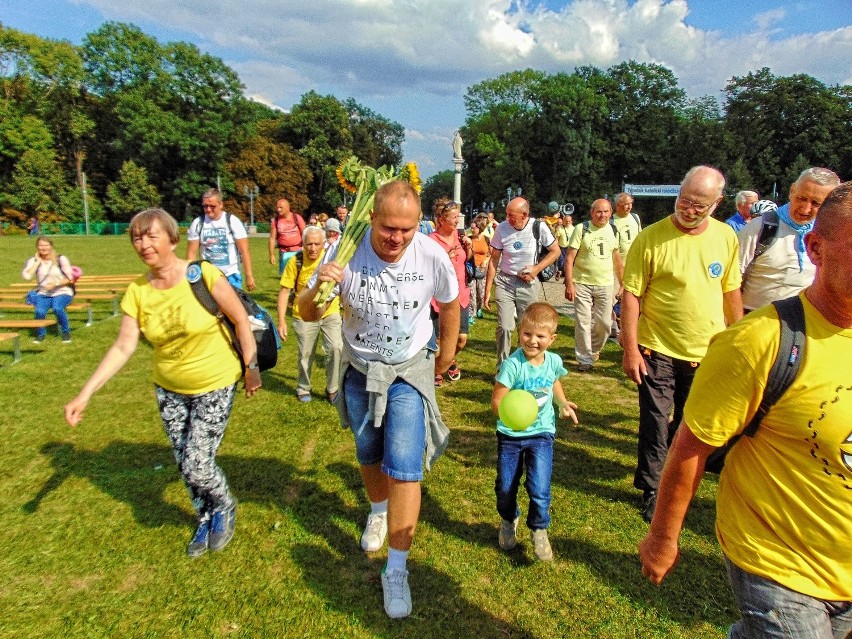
[251,193]
[510,194]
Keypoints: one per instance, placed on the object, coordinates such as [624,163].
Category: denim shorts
[400,442]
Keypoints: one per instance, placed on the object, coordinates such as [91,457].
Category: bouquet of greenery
[364,181]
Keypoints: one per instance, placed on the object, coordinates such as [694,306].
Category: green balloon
[518,409]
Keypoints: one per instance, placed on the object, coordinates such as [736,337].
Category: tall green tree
[131,193]
[779,124]
[318,127]
[376,140]
[36,183]
[172,109]
[440,184]
[276,169]
[500,113]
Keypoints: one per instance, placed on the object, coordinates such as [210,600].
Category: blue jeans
[536,454]
[57,304]
[236,280]
[399,443]
[771,611]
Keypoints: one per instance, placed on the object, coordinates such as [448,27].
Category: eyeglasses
[446,206]
[695,206]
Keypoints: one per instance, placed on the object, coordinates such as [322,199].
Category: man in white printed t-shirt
[514,271]
[221,239]
[387,371]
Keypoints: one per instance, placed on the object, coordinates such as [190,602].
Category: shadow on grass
[679,598]
[333,566]
[134,473]
[349,580]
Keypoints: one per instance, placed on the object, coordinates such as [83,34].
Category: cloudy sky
[412,60]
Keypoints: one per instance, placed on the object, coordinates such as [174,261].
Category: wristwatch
[252,366]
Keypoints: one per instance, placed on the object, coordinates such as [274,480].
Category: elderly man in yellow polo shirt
[593,265]
[685,271]
[297,273]
[784,505]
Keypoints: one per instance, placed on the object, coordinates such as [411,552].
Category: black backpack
[791,317]
[541,252]
[266,336]
[768,232]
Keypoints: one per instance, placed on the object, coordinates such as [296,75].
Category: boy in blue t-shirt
[533,369]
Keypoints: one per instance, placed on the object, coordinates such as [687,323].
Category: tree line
[136,123]
[133,122]
[579,136]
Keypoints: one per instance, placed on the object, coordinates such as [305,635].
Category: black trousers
[662,395]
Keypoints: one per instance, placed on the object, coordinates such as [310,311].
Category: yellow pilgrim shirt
[593,266]
[192,351]
[784,505]
[680,279]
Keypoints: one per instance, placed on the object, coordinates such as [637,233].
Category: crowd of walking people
[689,298]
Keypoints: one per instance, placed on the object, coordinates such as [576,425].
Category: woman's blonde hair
[443,206]
[144,220]
[54,257]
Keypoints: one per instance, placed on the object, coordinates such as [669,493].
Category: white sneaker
[541,544]
[373,537]
[397,593]
[506,537]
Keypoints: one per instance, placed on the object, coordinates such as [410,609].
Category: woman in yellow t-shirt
[195,367]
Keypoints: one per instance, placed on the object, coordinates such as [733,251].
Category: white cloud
[768,18]
[421,55]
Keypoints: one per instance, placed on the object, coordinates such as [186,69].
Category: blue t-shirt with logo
[517,372]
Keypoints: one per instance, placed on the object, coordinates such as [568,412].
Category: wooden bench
[20,306]
[93,297]
[16,345]
[91,288]
[84,297]
[27,323]
[128,277]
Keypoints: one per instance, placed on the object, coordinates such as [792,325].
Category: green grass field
[95,520]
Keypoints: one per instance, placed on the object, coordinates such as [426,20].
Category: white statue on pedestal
[457,146]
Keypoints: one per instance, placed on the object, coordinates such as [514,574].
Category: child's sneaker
[507,537]
[397,593]
[541,544]
[439,381]
[373,537]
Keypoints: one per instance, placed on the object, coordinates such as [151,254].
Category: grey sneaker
[397,593]
[541,544]
[200,540]
[373,537]
[222,526]
[506,537]
[66,338]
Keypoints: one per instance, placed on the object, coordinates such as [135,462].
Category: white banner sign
[652,190]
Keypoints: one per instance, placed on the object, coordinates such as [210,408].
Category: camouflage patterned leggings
[195,425]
